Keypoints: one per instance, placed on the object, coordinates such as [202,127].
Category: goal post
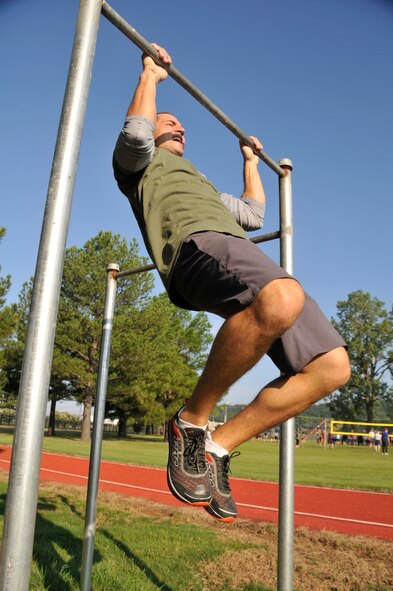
[361,428]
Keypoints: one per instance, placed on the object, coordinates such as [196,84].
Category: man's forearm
[252,182]
[144,101]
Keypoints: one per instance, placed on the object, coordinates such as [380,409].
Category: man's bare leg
[286,397]
[241,342]
[278,401]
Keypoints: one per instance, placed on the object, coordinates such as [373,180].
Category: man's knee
[340,368]
[277,306]
[332,369]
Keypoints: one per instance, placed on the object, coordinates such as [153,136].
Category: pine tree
[81,310]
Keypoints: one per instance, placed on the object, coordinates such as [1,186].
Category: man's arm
[249,210]
[143,103]
[135,145]
[253,187]
[248,213]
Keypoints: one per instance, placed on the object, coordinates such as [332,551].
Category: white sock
[214,447]
[185,424]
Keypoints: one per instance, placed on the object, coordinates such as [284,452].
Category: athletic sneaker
[187,473]
[222,506]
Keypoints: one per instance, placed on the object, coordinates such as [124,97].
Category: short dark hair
[165,113]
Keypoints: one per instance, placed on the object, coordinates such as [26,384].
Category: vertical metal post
[98,429]
[287,439]
[21,506]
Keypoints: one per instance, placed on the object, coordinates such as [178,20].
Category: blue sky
[312,79]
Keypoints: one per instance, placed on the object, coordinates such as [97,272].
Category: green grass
[344,467]
[127,556]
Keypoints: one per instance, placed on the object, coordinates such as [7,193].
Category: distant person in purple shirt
[385,442]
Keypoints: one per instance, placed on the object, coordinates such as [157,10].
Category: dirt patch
[323,561]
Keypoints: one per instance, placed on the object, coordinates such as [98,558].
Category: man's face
[169,134]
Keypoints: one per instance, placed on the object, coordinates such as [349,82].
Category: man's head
[169,134]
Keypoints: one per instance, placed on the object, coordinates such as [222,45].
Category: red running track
[347,511]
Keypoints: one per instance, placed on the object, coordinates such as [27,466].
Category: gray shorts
[222,274]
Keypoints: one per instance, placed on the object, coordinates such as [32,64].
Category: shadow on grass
[123,548]
[7,430]
[58,552]
[144,438]
[137,561]
[64,434]
[75,435]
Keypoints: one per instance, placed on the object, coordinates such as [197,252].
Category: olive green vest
[174,200]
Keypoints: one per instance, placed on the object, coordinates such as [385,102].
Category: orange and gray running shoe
[187,473]
[222,506]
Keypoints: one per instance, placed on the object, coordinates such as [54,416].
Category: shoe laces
[223,471]
[194,452]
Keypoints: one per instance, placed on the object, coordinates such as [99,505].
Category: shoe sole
[229,519]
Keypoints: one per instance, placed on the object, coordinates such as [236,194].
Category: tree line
[158,350]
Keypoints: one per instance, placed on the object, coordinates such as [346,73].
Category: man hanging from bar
[197,238]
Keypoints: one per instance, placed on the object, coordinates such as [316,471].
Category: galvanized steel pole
[21,506]
[98,430]
[132,34]
[287,439]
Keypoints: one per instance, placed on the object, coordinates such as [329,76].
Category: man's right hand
[150,64]
[248,153]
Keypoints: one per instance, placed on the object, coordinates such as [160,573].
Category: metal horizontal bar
[135,271]
[145,46]
[266,237]
[256,240]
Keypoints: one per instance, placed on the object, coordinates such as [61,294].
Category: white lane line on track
[260,507]
[331,517]
[156,490]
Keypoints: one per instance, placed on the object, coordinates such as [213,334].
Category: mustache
[164,137]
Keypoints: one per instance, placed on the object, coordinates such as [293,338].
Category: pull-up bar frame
[145,46]
[21,504]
